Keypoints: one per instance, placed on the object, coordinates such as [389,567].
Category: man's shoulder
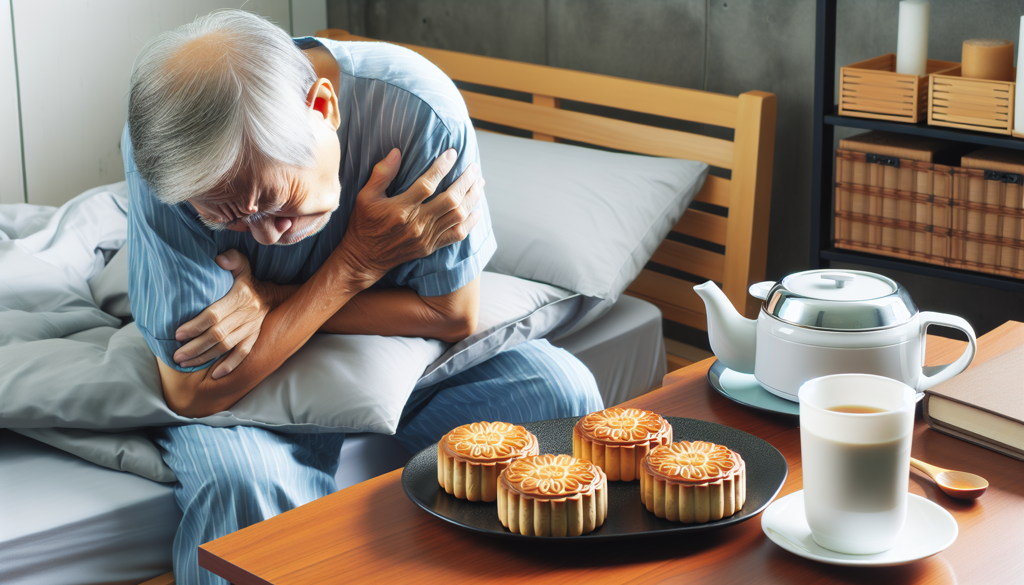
[370,64]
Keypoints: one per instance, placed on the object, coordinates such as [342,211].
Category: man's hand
[381,234]
[385,232]
[231,324]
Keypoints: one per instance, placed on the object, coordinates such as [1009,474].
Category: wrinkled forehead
[250,186]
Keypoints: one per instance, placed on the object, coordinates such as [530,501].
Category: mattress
[64,520]
[624,349]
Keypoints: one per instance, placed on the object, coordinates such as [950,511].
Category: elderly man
[258,217]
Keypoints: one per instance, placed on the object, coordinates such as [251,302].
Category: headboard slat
[665,289]
[600,131]
[715,191]
[690,259]
[547,102]
[705,226]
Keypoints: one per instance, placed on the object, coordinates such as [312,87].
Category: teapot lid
[840,300]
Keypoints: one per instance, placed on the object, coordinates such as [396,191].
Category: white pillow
[579,218]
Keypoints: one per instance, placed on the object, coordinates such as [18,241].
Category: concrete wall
[727,46]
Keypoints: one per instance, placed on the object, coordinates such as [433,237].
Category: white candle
[912,42]
[1018,99]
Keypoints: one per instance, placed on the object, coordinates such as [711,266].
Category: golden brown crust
[552,495]
[694,462]
[623,426]
[471,457]
[551,476]
[484,442]
[693,482]
[618,439]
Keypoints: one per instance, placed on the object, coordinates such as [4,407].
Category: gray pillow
[105,379]
[579,218]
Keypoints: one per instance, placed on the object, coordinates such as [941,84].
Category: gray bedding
[117,528]
[71,374]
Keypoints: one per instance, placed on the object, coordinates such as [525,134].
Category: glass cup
[856,465]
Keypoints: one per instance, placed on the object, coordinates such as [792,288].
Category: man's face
[279,205]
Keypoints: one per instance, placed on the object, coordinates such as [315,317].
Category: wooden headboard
[725,241]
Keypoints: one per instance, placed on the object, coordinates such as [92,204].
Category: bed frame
[735,216]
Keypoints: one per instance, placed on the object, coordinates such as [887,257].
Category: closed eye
[254,218]
[216,225]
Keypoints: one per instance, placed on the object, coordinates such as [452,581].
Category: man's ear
[322,99]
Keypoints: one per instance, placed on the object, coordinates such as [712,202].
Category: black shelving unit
[826,118]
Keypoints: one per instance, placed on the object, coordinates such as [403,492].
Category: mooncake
[471,457]
[552,495]
[693,482]
[618,439]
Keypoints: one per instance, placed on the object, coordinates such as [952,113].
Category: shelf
[922,129]
[1010,284]
[826,120]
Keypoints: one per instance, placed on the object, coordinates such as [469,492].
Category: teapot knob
[838,277]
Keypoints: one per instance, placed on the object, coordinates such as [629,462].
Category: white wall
[74,64]
[11,190]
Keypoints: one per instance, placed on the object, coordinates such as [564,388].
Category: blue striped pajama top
[389,97]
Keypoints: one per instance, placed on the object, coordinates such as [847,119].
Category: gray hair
[198,116]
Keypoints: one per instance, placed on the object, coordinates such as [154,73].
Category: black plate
[627,516]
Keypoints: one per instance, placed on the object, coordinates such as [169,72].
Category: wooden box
[873,89]
[892,199]
[988,213]
[973,104]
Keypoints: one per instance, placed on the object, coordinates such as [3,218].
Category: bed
[95,525]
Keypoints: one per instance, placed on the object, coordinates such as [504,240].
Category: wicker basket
[873,89]
[892,205]
[969,216]
[988,213]
[973,104]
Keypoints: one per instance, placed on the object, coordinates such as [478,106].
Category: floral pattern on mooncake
[489,441]
[552,495]
[693,462]
[553,476]
[623,425]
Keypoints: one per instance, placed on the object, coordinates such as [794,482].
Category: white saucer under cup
[929,529]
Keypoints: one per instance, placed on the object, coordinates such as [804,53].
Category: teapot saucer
[746,390]
[930,529]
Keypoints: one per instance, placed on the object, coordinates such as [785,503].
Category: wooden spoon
[956,484]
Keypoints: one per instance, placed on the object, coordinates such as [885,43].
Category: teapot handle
[942,373]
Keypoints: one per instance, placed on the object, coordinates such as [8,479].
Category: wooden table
[371,532]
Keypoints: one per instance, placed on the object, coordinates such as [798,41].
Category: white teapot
[822,322]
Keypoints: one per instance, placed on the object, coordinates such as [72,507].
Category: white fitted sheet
[624,350]
[65,520]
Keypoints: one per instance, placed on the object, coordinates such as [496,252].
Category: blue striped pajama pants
[230,478]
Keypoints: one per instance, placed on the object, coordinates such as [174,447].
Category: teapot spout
[733,337]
